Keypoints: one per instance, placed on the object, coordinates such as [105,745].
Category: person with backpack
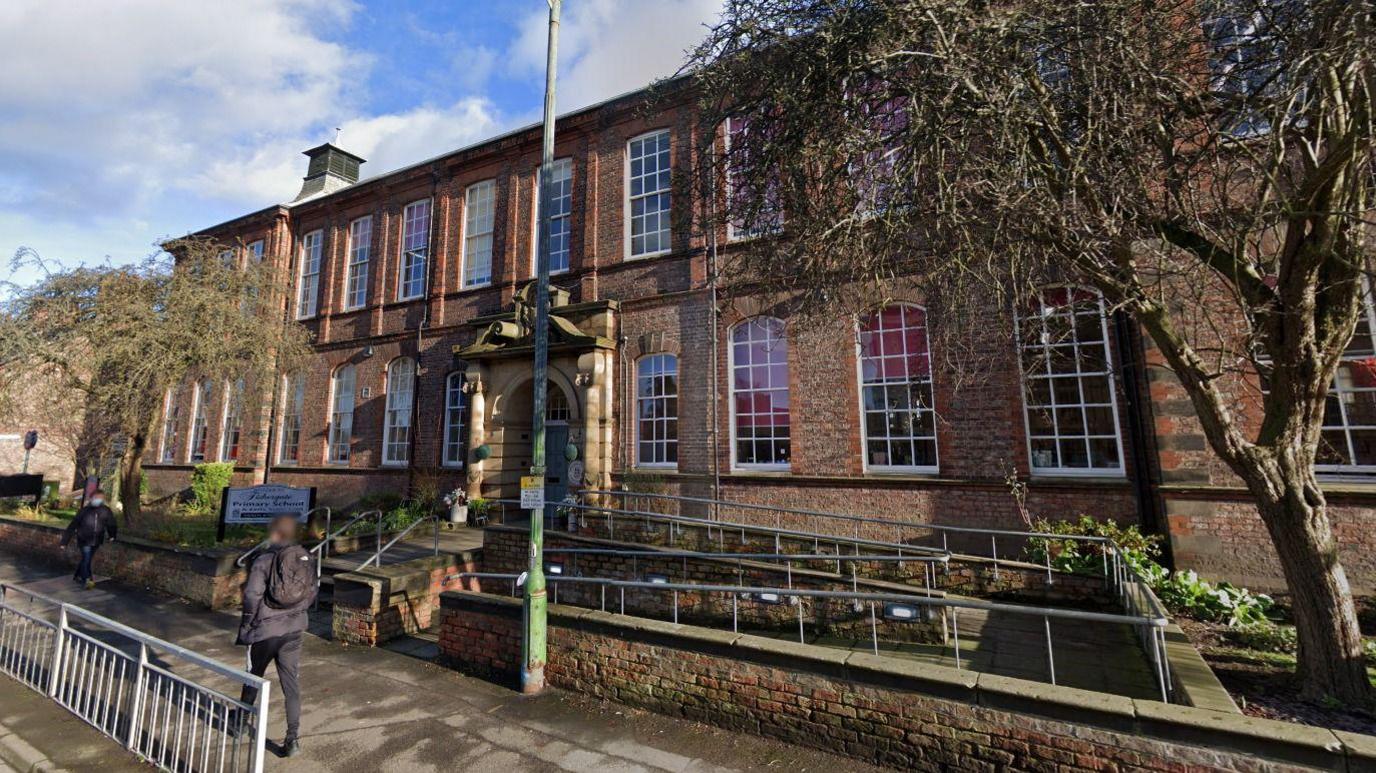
[281,588]
[93,522]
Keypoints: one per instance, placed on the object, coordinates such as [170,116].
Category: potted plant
[457,502]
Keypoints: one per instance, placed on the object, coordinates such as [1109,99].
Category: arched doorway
[512,415]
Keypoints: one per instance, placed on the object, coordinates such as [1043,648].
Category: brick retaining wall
[375,605]
[881,710]
[206,576]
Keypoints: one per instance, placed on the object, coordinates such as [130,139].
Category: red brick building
[410,282]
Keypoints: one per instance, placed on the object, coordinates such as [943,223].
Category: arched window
[656,404]
[200,405]
[396,438]
[896,390]
[341,414]
[454,405]
[759,394]
[171,413]
[1071,409]
[556,404]
[231,427]
[294,400]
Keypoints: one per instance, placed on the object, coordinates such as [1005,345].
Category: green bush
[1214,602]
[1267,637]
[1182,592]
[1369,646]
[1080,557]
[207,481]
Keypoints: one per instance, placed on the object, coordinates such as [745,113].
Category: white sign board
[532,492]
[260,504]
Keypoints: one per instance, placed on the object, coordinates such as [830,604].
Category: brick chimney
[331,168]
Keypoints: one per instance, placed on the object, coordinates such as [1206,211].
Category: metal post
[260,732]
[1050,658]
[874,628]
[136,702]
[955,626]
[54,678]
[533,643]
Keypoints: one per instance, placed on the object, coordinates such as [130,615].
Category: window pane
[1071,419]
[648,191]
[895,372]
[760,398]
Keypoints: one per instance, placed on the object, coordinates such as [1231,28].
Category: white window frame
[308,282]
[563,176]
[255,250]
[911,469]
[736,464]
[395,413]
[360,252]
[734,234]
[233,410]
[227,258]
[1061,471]
[200,424]
[408,217]
[340,432]
[630,198]
[455,403]
[1344,395]
[171,413]
[665,442]
[477,233]
[293,398]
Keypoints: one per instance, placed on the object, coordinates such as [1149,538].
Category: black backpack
[291,578]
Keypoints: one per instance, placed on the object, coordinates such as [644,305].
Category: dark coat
[261,621]
[90,526]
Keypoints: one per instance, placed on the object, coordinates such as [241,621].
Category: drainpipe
[714,321]
[1131,356]
[271,439]
[420,329]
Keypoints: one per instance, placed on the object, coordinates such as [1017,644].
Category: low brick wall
[203,575]
[375,605]
[880,710]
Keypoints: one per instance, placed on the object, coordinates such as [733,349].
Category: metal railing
[859,600]
[781,560]
[150,695]
[376,558]
[266,541]
[1120,576]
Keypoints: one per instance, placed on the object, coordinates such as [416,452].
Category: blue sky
[127,121]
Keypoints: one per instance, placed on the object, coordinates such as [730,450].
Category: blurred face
[98,498]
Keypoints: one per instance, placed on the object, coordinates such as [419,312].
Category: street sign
[532,492]
[258,505]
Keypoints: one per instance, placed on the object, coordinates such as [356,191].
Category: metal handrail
[168,719]
[1111,550]
[719,503]
[723,526]
[267,540]
[1155,653]
[382,549]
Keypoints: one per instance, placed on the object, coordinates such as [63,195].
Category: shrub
[207,481]
[1183,592]
[1079,557]
[1267,637]
[1222,602]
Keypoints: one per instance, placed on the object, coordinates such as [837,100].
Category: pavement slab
[378,710]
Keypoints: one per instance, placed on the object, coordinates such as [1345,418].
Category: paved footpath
[374,710]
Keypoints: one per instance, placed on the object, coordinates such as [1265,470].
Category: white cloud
[608,47]
[127,121]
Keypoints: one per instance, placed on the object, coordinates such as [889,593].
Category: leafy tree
[115,339]
[1206,165]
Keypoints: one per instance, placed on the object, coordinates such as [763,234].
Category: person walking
[281,588]
[92,523]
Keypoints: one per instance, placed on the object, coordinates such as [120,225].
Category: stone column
[477,428]
[594,382]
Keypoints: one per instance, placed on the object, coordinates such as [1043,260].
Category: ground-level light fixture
[657,579]
[902,612]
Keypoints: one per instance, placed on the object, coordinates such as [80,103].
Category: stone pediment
[579,326]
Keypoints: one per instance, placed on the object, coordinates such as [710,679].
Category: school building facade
[415,285]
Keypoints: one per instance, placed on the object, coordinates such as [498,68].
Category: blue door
[556,466]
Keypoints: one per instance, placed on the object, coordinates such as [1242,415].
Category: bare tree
[115,339]
[1206,165]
